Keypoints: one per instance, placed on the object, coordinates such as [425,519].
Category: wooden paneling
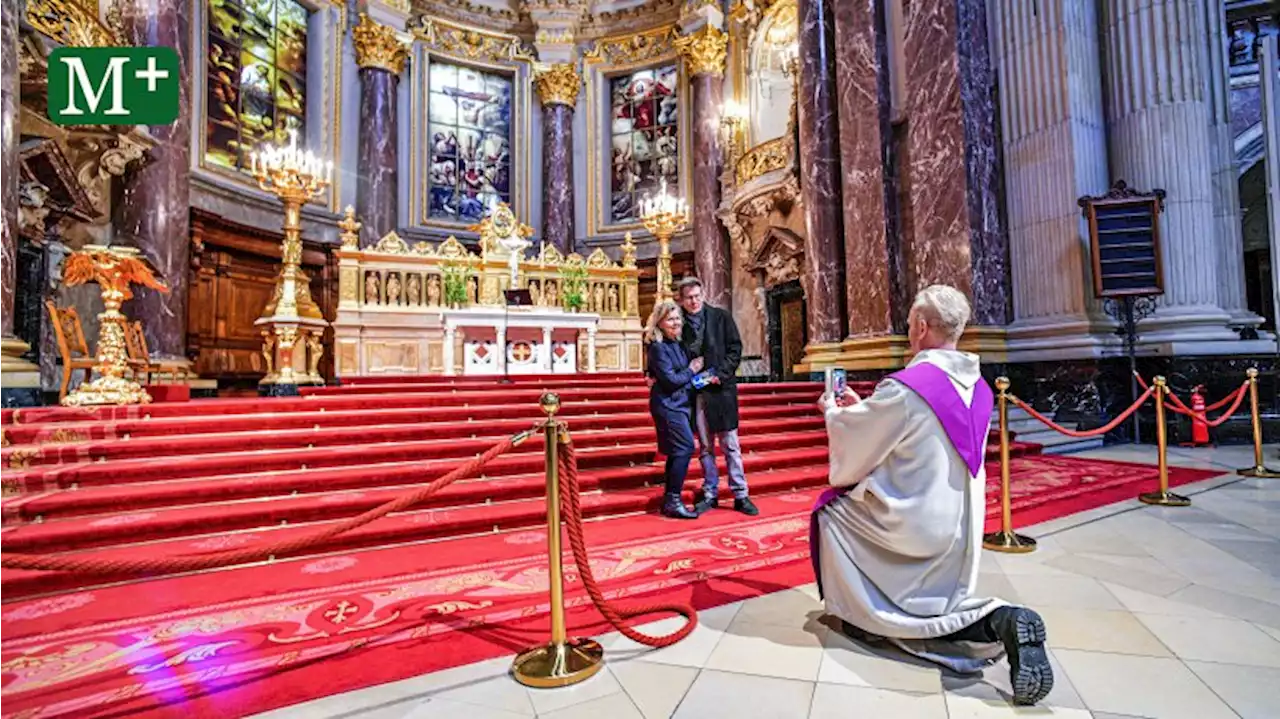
[234,269]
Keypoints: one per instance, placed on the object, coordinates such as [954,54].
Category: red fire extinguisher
[1199,428]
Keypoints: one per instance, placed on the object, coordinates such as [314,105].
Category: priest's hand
[847,398]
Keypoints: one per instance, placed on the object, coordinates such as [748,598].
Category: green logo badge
[113,85]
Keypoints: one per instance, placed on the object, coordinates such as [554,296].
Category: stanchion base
[1164,499]
[1260,472]
[558,665]
[1008,542]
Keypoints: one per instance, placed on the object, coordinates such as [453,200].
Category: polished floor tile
[1152,613]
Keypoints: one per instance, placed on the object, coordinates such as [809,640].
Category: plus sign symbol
[114,86]
[521,352]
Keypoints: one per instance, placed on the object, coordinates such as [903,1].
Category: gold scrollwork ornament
[704,50]
[378,46]
[558,84]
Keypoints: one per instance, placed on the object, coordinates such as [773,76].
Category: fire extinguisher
[1199,428]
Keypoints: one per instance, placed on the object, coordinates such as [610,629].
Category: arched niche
[770,87]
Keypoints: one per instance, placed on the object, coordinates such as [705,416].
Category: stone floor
[1151,612]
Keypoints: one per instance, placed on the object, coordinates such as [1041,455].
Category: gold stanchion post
[1164,497]
[1006,540]
[563,661]
[1259,468]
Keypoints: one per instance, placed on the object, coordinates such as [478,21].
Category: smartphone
[836,380]
[702,379]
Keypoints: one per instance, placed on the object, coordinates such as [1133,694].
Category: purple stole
[966,427]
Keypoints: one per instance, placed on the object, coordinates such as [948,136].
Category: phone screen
[835,379]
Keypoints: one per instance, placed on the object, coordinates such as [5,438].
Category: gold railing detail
[775,154]
[70,23]
[394,274]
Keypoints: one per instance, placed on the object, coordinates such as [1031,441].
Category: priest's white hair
[945,308]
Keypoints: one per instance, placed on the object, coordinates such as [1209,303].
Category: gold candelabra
[291,316]
[114,269]
[663,216]
[733,124]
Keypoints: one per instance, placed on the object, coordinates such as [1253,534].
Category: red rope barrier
[147,565]
[1180,407]
[1088,433]
[617,616]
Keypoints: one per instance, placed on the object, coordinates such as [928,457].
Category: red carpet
[211,475]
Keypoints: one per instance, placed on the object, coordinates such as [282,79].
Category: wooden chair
[71,344]
[140,357]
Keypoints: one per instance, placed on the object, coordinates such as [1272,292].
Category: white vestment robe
[898,553]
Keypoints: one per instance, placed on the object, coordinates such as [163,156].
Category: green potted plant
[573,278]
[455,285]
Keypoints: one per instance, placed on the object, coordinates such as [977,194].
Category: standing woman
[670,401]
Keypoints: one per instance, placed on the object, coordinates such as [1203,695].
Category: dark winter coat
[721,351]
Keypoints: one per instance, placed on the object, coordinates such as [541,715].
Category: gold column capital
[705,50]
[378,46]
[558,84]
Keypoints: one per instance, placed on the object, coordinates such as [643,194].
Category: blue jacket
[669,366]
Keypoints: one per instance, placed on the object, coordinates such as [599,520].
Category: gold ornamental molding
[471,43]
[704,50]
[632,49]
[377,46]
[558,84]
[775,154]
[69,23]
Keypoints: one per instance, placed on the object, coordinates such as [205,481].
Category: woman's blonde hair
[652,331]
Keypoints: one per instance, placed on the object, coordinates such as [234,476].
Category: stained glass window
[257,77]
[469,113]
[644,139]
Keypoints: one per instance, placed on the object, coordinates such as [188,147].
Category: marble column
[1048,63]
[557,88]
[819,152]
[868,187]
[1225,181]
[704,52]
[9,81]
[1159,133]
[153,212]
[956,237]
[381,57]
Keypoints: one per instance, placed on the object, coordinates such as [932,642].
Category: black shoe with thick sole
[745,505]
[1021,630]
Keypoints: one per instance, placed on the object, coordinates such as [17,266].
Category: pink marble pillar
[557,176]
[710,243]
[868,189]
[377,187]
[820,173]
[9,160]
[153,213]
[952,170]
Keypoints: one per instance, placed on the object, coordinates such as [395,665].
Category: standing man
[710,333]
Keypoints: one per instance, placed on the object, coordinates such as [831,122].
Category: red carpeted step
[444,396]
[321,496]
[618,447]
[307,438]
[328,412]
[270,511]
[630,376]
[407,527]
[458,443]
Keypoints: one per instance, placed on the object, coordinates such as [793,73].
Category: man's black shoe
[744,505]
[710,500]
[1022,632]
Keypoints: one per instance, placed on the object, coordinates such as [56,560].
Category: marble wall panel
[819,152]
[377,188]
[153,212]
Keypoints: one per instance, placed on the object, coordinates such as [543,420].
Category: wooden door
[793,331]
